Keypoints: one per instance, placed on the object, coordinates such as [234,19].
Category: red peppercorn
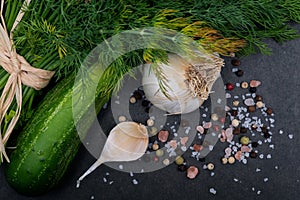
[229,86]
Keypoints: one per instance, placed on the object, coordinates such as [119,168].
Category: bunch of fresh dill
[57,35]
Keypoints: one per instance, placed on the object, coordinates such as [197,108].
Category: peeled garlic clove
[127,141]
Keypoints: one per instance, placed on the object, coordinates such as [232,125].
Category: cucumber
[49,142]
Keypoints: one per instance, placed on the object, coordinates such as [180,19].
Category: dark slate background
[280,88]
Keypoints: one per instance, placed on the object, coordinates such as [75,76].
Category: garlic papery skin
[188,83]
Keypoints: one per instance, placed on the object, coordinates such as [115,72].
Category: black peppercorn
[253,154]
[235,62]
[239,73]
[236,131]
[269,111]
[243,130]
[254,144]
[258,98]
[234,113]
[264,129]
[252,89]
[251,108]
[145,103]
[182,167]
[267,135]
[137,94]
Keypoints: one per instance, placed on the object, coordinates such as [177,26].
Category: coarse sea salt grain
[104,179]
[257,170]
[261,156]
[235,180]
[291,136]
[121,167]
[92,197]
[212,190]
[135,182]
[234,69]
[269,156]
[280,132]
[258,192]
[266,179]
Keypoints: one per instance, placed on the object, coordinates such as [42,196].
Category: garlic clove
[127,141]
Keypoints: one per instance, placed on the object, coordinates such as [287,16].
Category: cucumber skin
[48,143]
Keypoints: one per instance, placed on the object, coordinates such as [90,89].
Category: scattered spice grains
[248,125]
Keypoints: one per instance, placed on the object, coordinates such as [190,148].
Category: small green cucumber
[49,141]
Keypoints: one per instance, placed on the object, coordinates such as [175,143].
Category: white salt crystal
[261,156]
[135,182]
[291,136]
[266,179]
[236,180]
[183,148]
[280,132]
[104,180]
[234,69]
[237,84]
[131,174]
[258,192]
[212,190]
[121,167]
[269,156]
[257,170]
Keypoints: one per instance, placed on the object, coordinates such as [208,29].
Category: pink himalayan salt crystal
[207,125]
[229,134]
[184,140]
[200,129]
[249,102]
[245,149]
[197,147]
[173,144]
[163,136]
[228,151]
[238,155]
[192,172]
[255,83]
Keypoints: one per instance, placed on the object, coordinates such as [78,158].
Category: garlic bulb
[127,141]
[189,83]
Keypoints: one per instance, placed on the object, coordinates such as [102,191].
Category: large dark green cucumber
[49,141]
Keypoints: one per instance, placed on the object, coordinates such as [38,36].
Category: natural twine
[21,72]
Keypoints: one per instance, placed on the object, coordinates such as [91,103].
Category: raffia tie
[21,72]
